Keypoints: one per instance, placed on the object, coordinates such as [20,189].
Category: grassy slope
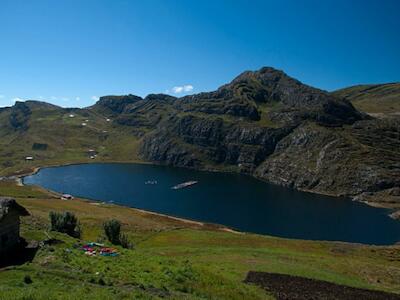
[373,98]
[68,141]
[177,259]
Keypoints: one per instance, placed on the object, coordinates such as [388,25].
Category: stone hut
[10,213]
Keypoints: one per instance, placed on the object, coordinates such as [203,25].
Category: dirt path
[285,287]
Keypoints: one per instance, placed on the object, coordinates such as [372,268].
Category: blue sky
[71,52]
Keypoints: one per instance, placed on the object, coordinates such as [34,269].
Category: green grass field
[175,259]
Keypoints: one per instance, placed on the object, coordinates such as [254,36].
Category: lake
[238,201]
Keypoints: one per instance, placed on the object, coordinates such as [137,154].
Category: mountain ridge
[263,123]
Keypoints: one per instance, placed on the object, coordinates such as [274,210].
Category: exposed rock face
[340,162]
[115,104]
[197,141]
[311,147]
[19,116]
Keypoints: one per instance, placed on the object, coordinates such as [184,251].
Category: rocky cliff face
[115,104]
[341,161]
[314,141]
[19,116]
[197,142]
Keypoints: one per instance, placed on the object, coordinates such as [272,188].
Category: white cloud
[53,98]
[181,89]
[65,99]
[78,98]
[94,98]
[17,99]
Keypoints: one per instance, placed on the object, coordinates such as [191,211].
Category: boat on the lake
[184,185]
[151,182]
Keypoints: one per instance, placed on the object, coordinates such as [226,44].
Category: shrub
[112,230]
[27,279]
[101,281]
[78,230]
[65,222]
[124,241]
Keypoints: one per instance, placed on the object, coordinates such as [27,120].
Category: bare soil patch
[285,287]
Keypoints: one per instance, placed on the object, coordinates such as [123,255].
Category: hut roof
[9,204]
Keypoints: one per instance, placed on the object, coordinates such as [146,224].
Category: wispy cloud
[17,99]
[94,98]
[181,89]
[77,98]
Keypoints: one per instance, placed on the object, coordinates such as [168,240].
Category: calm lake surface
[237,201]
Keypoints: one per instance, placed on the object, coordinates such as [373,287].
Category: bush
[124,241]
[112,230]
[66,223]
[101,281]
[27,279]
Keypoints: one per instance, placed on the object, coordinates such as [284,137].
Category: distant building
[92,153]
[10,213]
[29,158]
[66,197]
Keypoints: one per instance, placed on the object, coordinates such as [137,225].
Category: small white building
[29,158]
[66,197]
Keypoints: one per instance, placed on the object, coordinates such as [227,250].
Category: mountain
[263,123]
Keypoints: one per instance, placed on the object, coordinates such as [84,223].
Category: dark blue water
[238,201]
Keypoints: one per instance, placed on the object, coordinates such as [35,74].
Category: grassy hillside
[68,136]
[373,98]
[176,259]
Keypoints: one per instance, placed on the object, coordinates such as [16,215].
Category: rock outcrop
[19,116]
